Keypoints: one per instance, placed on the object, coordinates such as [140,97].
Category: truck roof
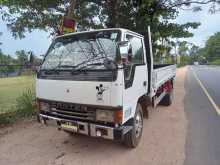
[95,30]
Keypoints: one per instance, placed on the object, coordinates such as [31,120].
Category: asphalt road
[203,137]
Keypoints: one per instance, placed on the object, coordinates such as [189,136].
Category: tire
[132,138]
[168,99]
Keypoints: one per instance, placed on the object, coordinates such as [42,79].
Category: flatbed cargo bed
[162,73]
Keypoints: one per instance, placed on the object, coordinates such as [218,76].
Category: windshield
[84,50]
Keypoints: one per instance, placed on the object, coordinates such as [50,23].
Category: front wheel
[132,138]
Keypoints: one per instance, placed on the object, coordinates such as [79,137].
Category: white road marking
[206,93]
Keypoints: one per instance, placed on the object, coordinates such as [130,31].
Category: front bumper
[90,129]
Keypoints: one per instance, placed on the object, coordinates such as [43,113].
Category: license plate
[69,126]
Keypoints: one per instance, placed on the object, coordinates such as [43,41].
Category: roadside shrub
[215,62]
[26,104]
[8,118]
[180,65]
[24,107]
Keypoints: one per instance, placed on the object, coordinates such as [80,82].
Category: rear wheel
[132,138]
[168,99]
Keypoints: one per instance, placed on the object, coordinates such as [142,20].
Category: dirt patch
[162,142]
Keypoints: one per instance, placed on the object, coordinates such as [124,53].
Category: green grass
[11,88]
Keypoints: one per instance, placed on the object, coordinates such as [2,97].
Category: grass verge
[16,98]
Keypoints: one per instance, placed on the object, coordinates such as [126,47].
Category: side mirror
[125,51]
[123,48]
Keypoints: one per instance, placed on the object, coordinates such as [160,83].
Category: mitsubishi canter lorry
[99,83]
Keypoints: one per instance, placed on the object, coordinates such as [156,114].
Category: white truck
[100,83]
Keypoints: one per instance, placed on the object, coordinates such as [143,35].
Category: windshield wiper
[79,70]
[51,71]
[65,66]
[108,64]
[82,69]
[62,66]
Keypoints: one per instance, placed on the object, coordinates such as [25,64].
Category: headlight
[44,106]
[109,116]
[105,115]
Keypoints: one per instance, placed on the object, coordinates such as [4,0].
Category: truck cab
[99,83]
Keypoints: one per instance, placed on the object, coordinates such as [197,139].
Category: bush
[8,118]
[26,104]
[25,107]
[216,62]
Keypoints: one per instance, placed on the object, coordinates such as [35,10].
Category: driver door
[135,75]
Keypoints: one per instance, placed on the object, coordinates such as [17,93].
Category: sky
[210,24]
[39,41]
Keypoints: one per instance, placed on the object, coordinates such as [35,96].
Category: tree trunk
[117,14]
[70,12]
[113,13]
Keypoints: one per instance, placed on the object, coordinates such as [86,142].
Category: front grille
[71,111]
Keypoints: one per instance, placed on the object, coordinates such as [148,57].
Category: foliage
[26,104]
[25,107]
[25,16]
[185,60]
[210,53]
[6,60]
[215,62]
[213,47]
[183,48]
[11,88]
[8,118]
[0,42]
[24,60]
[15,90]
[22,57]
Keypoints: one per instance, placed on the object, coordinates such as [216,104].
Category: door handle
[144,83]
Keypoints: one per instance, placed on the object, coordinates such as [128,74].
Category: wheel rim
[138,124]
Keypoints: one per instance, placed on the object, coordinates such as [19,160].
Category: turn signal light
[118,116]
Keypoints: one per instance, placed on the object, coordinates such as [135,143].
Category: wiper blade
[84,63]
[80,70]
[63,66]
[51,71]
[66,66]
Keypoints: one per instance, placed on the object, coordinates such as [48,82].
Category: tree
[41,14]
[22,60]
[6,64]
[193,50]
[183,48]
[27,15]
[212,47]
[0,42]
[22,57]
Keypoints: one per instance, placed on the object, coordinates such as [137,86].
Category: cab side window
[135,57]
[136,48]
